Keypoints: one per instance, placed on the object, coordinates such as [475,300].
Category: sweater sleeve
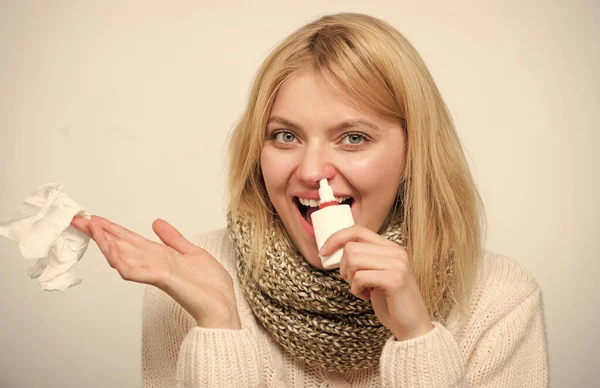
[176,352]
[511,353]
[431,360]
[218,358]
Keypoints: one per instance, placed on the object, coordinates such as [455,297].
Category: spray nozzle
[325,191]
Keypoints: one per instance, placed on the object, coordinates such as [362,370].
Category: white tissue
[42,226]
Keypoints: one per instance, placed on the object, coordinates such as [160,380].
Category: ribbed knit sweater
[500,343]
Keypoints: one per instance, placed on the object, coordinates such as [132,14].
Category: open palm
[188,273]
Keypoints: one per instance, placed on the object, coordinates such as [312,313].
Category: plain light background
[130,105]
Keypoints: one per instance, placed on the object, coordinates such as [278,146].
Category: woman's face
[311,135]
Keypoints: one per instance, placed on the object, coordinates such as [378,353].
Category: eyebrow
[338,127]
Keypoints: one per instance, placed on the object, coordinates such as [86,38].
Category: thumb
[172,238]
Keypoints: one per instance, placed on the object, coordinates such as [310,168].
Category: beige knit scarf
[310,313]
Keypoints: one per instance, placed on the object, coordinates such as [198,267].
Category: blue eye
[284,136]
[353,138]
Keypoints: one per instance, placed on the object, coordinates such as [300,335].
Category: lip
[308,228]
[315,195]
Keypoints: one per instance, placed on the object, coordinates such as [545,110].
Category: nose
[314,165]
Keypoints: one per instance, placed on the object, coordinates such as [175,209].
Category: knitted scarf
[309,312]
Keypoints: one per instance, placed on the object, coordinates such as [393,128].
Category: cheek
[275,170]
[373,172]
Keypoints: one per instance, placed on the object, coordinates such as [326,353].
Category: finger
[106,234]
[356,233]
[120,231]
[116,261]
[362,256]
[130,272]
[367,280]
[99,237]
[365,294]
[172,238]
[82,225]
[108,246]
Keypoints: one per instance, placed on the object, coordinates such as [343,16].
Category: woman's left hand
[379,270]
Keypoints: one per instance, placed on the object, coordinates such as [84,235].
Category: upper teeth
[315,202]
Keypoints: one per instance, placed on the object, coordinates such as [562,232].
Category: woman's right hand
[188,273]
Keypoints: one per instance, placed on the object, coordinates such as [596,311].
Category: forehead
[305,98]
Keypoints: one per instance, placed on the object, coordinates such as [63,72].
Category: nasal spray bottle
[330,218]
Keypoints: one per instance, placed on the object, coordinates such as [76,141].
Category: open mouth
[308,207]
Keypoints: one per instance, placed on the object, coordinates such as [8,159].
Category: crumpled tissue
[42,226]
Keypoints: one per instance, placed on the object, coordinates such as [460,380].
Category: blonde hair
[373,66]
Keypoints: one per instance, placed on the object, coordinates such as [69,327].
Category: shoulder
[505,314]
[502,285]
[499,274]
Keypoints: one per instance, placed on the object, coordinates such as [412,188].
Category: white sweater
[502,342]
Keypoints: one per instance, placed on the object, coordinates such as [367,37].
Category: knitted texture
[311,313]
[499,342]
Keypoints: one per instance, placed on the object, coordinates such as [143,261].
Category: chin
[307,247]
[314,260]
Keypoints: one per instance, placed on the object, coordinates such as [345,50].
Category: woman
[416,300]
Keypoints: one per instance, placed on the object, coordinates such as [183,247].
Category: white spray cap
[325,191]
